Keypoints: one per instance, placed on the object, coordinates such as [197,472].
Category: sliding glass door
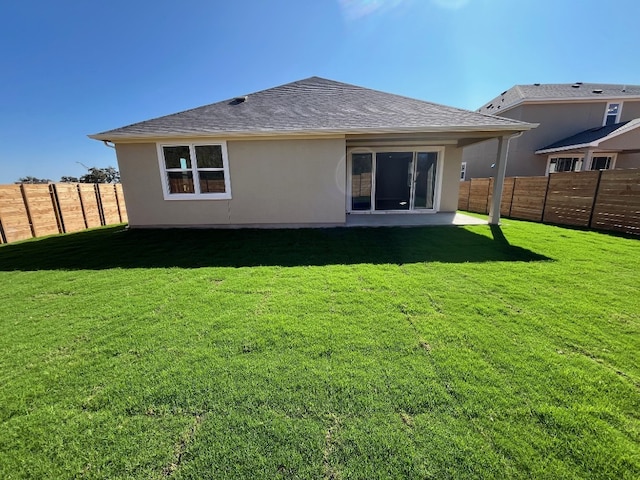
[425,180]
[393,181]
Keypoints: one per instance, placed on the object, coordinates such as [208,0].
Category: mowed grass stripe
[368,353]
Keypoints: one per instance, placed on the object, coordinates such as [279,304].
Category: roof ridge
[313,104]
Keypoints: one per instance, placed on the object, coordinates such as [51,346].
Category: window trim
[606,112]
[197,195]
[612,163]
[440,150]
[580,157]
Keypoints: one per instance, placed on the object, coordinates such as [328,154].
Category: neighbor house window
[612,113]
[565,164]
[195,171]
[602,162]
[463,171]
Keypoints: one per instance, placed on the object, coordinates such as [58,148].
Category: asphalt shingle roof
[592,135]
[313,105]
[558,91]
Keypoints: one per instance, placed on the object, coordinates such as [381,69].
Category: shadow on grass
[116,247]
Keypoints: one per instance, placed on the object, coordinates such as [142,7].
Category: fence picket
[32,210]
[602,200]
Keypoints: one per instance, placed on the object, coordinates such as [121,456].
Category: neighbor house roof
[591,137]
[313,106]
[558,92]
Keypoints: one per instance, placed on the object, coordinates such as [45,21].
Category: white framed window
[192,171]
[565,163]
[612,113]
[605,161]
[463,171]
[573,163]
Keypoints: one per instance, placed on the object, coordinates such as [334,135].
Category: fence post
[595,198]
[115,192]
[96,189]
[3,238]
[53,192]
[546,194]
[513,192]
[84,211]
[26,207]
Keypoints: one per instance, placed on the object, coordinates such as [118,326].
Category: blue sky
[74,67]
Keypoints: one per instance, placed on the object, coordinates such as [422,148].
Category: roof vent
[575,85]
[597,90]
[503,92]
[537,84]
[238,100]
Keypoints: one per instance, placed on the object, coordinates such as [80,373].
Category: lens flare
[355,9]
[451,4]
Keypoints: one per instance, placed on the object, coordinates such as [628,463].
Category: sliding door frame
[395,149]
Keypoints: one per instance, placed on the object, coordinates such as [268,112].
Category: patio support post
[586,162]
[498,180]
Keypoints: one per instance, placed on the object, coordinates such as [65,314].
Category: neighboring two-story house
[582,126]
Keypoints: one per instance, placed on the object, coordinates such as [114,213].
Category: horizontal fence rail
[602,200]
[36,210]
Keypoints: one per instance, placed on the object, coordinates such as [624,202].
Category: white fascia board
[566,148]
[118,138]
[620,131]
[526,101]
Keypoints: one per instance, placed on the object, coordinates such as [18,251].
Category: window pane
[211,182]
[601,163]
[393,180]
[425,185]
[177,157]
[613,109]
[180,182]
[209,156]
[361,181]
[566,164]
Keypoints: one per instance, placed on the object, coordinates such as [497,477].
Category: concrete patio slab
[412,220]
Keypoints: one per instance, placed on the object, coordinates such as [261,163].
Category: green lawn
[362,353]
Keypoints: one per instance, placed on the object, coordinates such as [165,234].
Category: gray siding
[628,160]
[630,110]
[557,121]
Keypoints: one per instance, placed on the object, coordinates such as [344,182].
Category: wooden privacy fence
[35,210]
[604,199]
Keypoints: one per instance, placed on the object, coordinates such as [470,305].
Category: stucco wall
[557,121]
[628,160]
[630,110]
[627,141]
[479,158]
[450,179]
[272,182]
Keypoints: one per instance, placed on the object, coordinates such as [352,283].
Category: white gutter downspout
[498,181]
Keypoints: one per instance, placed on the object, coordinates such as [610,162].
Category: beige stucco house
[582,126]
[309,153]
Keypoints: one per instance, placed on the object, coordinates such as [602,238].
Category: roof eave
[628,127]
[526,101]
[115,137]
[566,148]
